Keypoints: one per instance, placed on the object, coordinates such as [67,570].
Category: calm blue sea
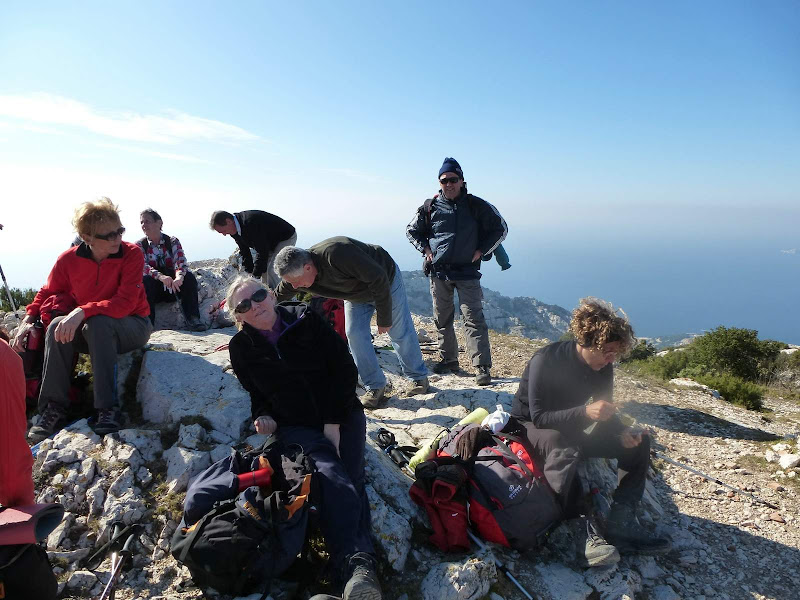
[666,286]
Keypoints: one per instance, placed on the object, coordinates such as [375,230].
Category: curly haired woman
[565,403]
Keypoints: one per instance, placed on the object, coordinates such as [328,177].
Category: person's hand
[167,281]
[331,431]
[265,425]
[66,328]
[630,438]
[21,336]
[600,410]
[383,329]
[477,255]
[428,253]
[177,283]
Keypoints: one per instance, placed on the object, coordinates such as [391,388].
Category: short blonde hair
[234,286]
[596,323]
[90,215]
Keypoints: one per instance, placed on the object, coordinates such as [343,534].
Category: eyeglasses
[446,180]
[245,305]
[111,235]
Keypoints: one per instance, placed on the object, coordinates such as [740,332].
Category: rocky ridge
[190,409]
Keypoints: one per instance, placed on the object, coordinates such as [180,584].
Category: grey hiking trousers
[470,297]
[103,338]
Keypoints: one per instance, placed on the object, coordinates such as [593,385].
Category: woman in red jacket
[102,279]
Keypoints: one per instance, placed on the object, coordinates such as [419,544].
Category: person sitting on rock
[551,403]
[24,569]
[102,279]
[165,272]
[302,384]
[369,282]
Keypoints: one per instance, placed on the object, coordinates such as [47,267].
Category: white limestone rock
[182,466]
[118,451]
[788,461]
[146,441]
[60,532]
[468,580]
[191,436]
[391,529]
[613,584]
[206,391]
[81,581]
[560,582]
[664,592]
[219,452]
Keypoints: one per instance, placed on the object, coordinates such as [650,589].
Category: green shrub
[734,389]
[664,367]
[21,298]
[735,351]
[641,351]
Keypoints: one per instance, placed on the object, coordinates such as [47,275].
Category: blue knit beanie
[450,165]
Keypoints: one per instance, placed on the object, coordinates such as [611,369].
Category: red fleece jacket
[16,461]
[113,287]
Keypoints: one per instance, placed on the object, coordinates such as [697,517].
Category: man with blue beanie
[454,230]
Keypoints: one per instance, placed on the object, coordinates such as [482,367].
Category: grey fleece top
[353,271]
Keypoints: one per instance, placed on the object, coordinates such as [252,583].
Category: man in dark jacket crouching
[302,384]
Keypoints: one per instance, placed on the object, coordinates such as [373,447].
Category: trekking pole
[672,461]
[8,293]
[117,561]
[387,443]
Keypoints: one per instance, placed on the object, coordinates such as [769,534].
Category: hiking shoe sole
[365,590]
[605,560]
[445,368]
[627,549]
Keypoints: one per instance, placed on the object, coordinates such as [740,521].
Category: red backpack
[489,482]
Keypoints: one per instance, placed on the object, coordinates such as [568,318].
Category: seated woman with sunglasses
[302,384]
[102,277]
[165,272]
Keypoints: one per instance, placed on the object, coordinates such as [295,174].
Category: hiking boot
[483,375]
[195,324]
[626,533]
[421,386]
[446,366]
[592,548]
[324,597]
[362,582]
[50,421]
[108,421]
[372,397]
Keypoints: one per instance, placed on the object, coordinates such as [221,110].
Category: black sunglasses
[245,305]
[111,235]
[446,180]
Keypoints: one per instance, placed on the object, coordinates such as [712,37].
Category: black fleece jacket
[308,378]
[555,386]
[261,231]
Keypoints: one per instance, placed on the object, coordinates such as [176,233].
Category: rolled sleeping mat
[424,453]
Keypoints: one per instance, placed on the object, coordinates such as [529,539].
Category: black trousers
[188,295]
[560,455]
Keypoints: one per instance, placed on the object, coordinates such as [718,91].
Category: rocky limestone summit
[189,409]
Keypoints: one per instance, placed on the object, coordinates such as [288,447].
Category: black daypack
[238,541]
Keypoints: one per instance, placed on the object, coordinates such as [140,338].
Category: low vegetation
[730,360]
[21,298]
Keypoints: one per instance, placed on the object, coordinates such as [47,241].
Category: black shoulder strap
[428,206]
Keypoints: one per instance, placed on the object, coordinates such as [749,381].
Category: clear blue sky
[594,127]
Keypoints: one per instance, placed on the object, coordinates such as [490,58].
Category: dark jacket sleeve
[239,349]
[418,230]
[342,372]
[284,292]
[244,249]
[353,262]
[544,414]
[492,227]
